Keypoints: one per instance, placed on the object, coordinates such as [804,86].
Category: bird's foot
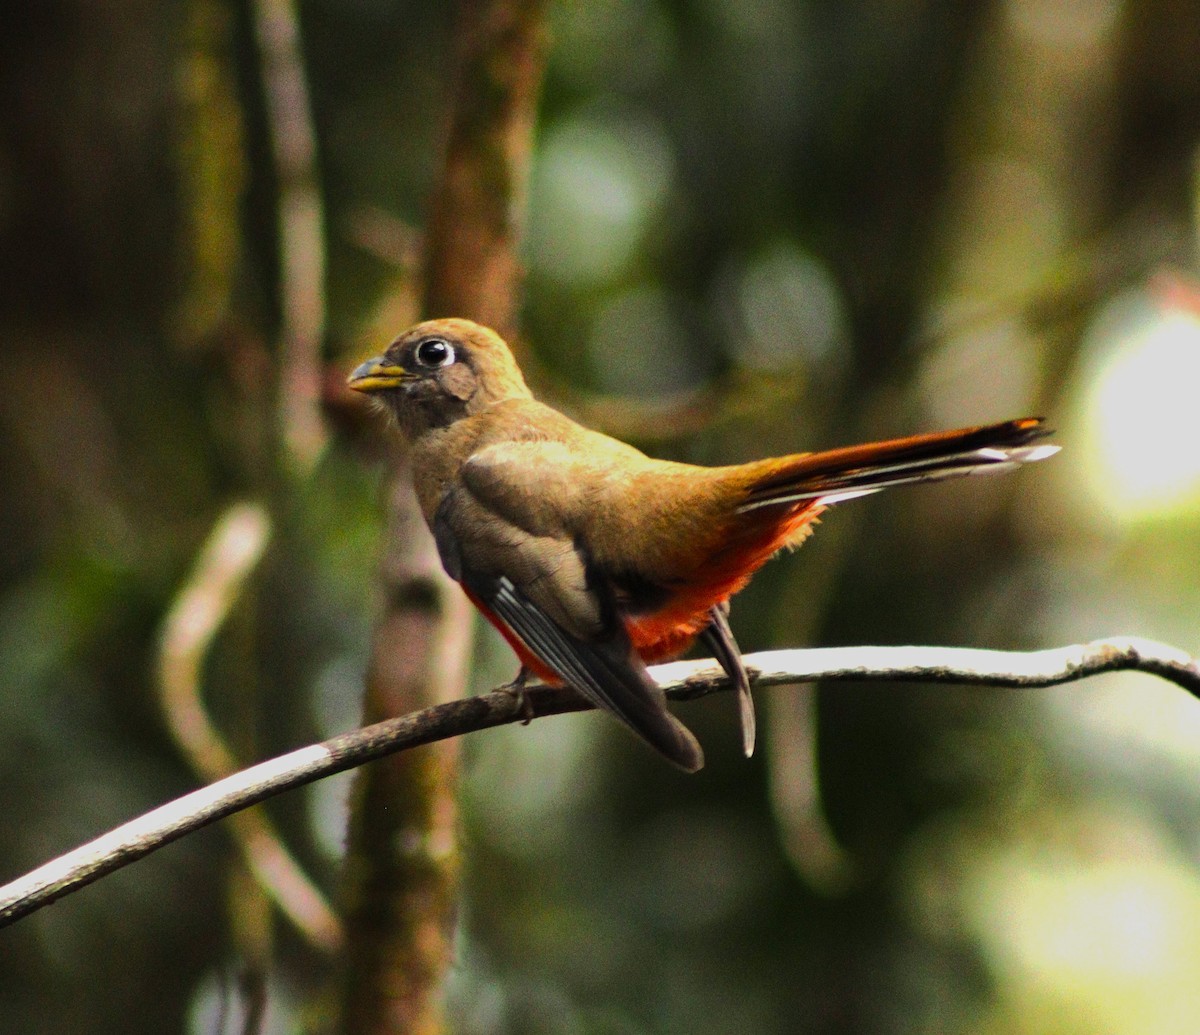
[516,690]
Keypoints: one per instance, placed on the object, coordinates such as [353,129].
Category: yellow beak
[375,375]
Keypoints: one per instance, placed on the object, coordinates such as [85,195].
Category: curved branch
[963,665]
[682,680]
[233,550]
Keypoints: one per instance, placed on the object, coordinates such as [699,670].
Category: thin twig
[232,551]
[301,230]
[683,680]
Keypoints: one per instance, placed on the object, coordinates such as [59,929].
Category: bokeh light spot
[786,308]
[1142,418]
[597,180]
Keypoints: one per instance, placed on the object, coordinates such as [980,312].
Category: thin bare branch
[301,222]
[682,680]
[232,551]
[796,798]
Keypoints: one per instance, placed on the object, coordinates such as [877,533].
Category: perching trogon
[592,558]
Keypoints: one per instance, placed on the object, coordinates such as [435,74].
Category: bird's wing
[531,575]
[607,672]
[643,524]
[544,486]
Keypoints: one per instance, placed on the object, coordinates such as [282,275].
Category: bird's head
[440,371]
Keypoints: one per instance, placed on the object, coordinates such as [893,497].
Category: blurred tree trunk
[401,873]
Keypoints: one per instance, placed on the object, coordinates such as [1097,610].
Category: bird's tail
[840,474]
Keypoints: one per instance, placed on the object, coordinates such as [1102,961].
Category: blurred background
[754,227]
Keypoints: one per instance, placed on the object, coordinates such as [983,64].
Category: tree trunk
[401,872]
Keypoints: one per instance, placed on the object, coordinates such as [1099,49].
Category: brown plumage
[592,558]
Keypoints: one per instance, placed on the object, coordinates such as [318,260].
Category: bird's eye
[434,352]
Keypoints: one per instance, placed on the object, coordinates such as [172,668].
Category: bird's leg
[719,638]
[516,689]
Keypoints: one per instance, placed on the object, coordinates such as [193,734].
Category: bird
[593,559]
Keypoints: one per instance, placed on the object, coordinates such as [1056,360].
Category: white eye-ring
[434,353]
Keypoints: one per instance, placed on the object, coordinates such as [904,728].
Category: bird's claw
[516,690]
